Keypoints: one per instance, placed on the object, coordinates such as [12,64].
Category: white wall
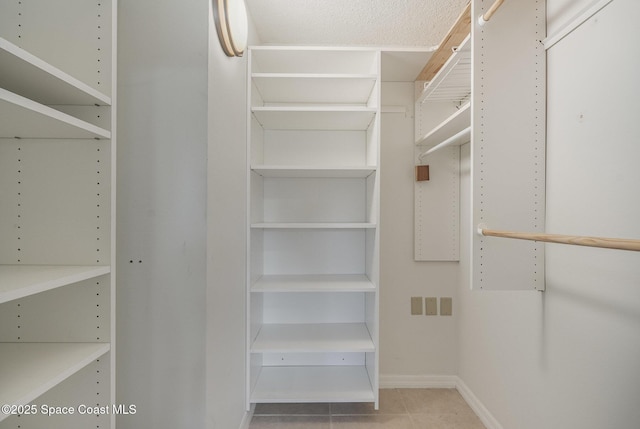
[161,229]
[568,357]
[417,346]
[226,235]
[182,204]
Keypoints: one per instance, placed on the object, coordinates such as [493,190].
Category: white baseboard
[418,381]
[477,406]
[441,382]
[246,420]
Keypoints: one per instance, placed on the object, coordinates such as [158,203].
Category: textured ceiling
[354,22]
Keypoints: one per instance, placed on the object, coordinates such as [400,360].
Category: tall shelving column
[313,230]
[57,211]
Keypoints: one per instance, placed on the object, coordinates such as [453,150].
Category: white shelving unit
[313,231]
[57,194]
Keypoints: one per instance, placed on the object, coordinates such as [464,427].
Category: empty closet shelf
[27,370]
[318,337]
[282,171]
[314,225]
[314,283]
[313,384]
[25,74]
[25,118]
[315,117]
[314,87]
[17,281]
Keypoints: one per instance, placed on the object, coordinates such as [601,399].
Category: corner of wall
[477,406]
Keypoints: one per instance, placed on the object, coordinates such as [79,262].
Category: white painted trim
[418,381]
[246,420]
[477,406]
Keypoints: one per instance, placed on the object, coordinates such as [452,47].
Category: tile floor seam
[447,409]
[404,405]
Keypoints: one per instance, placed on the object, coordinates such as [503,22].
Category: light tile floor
[399,409]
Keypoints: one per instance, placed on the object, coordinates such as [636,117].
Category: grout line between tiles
[332,408]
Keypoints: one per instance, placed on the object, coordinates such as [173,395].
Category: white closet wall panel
[437,208]
[57,198]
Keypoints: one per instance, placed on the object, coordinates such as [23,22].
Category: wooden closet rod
[576,240]
[489,13]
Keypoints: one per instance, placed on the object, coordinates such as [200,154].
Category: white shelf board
[24,118]
[284,171]
[448,128]
[310,338]
[313,384]
[17,281]
[33,78]
[453,80]
[314,225]
[27,370]
[333,117]
[314,283]
[314,88]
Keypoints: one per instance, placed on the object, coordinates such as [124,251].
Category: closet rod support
[483,19]
[576,240]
